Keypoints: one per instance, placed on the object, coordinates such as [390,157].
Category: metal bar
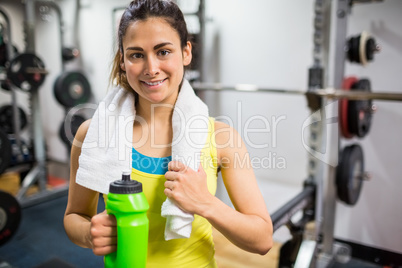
[201,19]
[339,14]
[283,215]
[358,95]
[56,7]
[29,180]
[306,254]
[243,88]
[30,26]
[44,195]
[365,1]
[329,93]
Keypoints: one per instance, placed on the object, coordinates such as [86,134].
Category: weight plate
[360,112]
[5,85]
[361,48]
[5,151]
[4,54]
[349,174]
[371,47]
[27,71]
[66,132]
[343,108]
[10,216]
[71,89]
[353,45]
[7,119]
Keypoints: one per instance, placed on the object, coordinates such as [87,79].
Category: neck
[154,112]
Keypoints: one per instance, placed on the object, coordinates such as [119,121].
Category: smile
[154,83]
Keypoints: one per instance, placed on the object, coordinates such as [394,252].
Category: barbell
[329,93]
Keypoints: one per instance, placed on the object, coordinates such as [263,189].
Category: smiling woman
[153,49]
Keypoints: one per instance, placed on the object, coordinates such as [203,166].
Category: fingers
[169,185]
[103,219]
[102,251]
[177,166]
[103,234]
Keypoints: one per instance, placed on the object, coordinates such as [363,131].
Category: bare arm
[81,223]
[249,225]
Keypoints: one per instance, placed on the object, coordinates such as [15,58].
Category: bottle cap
[125,185]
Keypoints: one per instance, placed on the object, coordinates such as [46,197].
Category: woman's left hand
[187,188]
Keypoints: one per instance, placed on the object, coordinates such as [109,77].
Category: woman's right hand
[103,234]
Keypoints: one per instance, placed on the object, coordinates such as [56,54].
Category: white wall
[267,43]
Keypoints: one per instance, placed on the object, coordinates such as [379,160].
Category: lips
[154,83]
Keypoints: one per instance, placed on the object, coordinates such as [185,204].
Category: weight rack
[316,247]
[38,173]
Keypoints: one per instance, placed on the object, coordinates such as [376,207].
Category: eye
[164,52]
[136,56]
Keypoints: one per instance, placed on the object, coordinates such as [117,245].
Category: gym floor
[41,242]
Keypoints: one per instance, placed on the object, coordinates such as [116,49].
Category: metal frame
[38,174]
[10,53]
[318,198]
[201,19]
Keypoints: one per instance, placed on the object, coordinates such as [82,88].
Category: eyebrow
[155,47]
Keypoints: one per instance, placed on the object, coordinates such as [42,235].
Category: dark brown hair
[141,10]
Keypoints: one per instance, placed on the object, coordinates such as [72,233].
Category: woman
[153,51]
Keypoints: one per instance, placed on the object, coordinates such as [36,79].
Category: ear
[187,55]
[122,66]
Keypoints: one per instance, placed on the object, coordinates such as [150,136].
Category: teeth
[155,83]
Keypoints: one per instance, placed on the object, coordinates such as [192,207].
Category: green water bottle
[128,204]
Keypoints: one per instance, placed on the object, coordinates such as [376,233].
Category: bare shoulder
[82,131]
[228,140]
[226,134]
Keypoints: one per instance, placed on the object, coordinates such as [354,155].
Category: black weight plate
[353,49]
[360,111]
[27,71]
[370,48]
[4,54]
[7,119]
[5,85]
[5,151]
[70,130]
[349,174]
[71,89]
[10,216]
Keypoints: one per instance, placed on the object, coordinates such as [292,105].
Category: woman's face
[153,60]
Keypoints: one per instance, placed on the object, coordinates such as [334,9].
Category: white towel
[106,150]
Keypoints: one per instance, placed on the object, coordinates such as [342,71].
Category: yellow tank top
[196,251]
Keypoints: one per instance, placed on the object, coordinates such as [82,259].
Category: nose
[151,67]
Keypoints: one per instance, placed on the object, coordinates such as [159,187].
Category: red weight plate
[343,107]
